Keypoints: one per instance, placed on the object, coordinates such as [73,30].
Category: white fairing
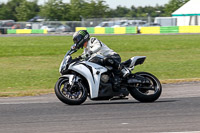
[70,77]
[92,72]
[92,78]
[64,63]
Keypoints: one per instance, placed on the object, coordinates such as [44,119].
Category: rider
[93,45]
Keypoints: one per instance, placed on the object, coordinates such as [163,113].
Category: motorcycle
[86,78]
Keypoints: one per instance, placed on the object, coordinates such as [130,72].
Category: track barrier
[114,30]
[143,30]
[26,31]
[3,31]
[170,29]
[109,30]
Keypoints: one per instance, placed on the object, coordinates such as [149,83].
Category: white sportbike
[84,78]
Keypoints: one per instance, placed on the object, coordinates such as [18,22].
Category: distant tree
[53,10]
[173,5]
[27,10]
[9,9]
[95,9]
[144,11]
[121,11]
[159,11]
[132,12]
[66,12]
[77,9]
[140,12]
[2,11]
[21,10]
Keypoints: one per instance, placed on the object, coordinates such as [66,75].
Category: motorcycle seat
[126,63]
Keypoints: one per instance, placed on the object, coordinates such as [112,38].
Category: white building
[188,14]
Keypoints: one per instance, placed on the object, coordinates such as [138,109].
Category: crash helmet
[80,37]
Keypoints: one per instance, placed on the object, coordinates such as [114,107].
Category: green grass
[29,65]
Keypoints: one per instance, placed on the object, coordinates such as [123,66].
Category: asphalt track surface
[177,110]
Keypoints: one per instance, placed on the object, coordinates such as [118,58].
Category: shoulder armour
[93,39]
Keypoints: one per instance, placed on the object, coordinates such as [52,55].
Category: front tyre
[74,94]
[146,92]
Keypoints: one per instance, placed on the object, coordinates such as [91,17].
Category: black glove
[84,56]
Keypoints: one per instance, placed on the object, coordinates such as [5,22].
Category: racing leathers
[95,46]
[111,58]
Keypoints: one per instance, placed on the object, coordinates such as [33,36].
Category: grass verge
[29,65]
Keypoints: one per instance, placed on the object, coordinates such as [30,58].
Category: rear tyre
[146,95]
[74,94]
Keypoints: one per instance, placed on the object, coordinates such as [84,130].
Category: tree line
[75,10]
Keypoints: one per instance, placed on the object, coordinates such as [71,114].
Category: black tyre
[146,95]
[74,94]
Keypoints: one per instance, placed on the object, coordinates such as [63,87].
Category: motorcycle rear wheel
[71,95]
[144,95]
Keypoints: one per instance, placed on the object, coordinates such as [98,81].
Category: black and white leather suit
[111,58]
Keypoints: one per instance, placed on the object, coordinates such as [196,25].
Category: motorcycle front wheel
[74,94]
[146,92]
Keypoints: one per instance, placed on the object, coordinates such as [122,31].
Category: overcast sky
[127,3]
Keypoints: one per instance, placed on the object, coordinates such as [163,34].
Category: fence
[94,26]
[70,26]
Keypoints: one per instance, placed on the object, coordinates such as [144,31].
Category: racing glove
[84,56]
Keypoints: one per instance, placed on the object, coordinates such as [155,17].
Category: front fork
[72,80]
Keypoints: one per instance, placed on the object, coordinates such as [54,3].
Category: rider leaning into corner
[94,46]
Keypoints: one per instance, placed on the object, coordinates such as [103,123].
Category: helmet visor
[77,39]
